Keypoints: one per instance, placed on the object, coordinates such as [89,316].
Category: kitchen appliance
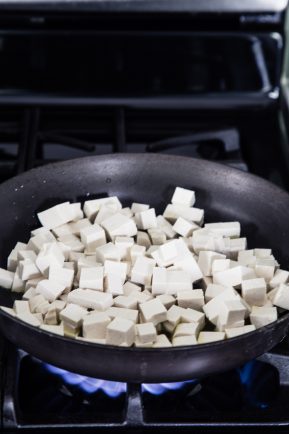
[190,78]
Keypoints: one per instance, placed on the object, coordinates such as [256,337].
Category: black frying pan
[225,193]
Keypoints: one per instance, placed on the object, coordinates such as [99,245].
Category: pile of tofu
[128,277]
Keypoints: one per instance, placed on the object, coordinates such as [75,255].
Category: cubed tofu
[69,243]
[147,219]
[117,268]
[143,239]
[50,254]
[280,276]
[213,290]
[193,299]
[220,265]
[265,268]
[136,251]
[153,311]
[262,316]
[247,258]
[184,341]
[73,315]
[159,280]
[234,276]
[57,215]
[124,245]
[30,319]
[166,227]
[207,337]
[129,288]
[95,324]
[113,284]
[92,278]
[231,312]
[6,278]
[38,304]
[92,237]
[178,280]
[237,331]
[225,229]
[21,306]
[126,301]
[146,332]
[212,308]
[92,207]
[167,300]
[262,253]
[183,196]
[206,259]
[281,297]
[157,236]
[120,331]
[64,276]
[173,212]
[119,312]
[50,289]
[119,225]
[51,317]
[187,329]
[18,284]
[142,270]
[162,342]
[254,291]
[28,270]
[108,252]
[139,207]
[90,299]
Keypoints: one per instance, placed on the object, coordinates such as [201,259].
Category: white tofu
[119,225]
[90,299]
[159,281]
[136,251]
[27,270]
[120,331]
[31,292]
[263,253]
[153,311]
[186,329]
[212,308]
[265,268]
[8,310]
[147,219]
[113,284]
[220,265]
[139,207]
[184,341]
[234,246]
[70,330]
[206,259]
[174,315]
[142,239]
[50,289]
[92,237]
[183,196]
[129,288]
[75,227]
[178,280]
[21,306]
[38,304]
[73,315]
[92,278]
[108,252]
[51,317]
[173,212]
[57,215]
[58,305]
[207,337]
[213,290]
[254,291]
[184,227]
[91,207]
[105,212]
[158,237]
[142,270]
[119,312]
[33,282]
[167,300]
[71,242]
[30,319]
[125,301]
[95,324]
[205,282]
[237,331]
[281,297]
[146,332]
[193,299]
[62,230]
[247,258]
[139,344]
[225,229]
[26,254]
[50,254]
[117,268]
[36,242]
[162,342]
[6,278]
[86,262]
[234,276]
[124,244]
[191,315]
[231,312]
[64,276]
[142,297]
[12,260]
[262,316]
[280,276]
[56,329]
[166,227]
[18,284]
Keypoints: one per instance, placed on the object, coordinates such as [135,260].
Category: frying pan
[225,194]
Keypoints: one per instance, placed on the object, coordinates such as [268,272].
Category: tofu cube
[186,329]
[263,253]
[91,299]
[21,306]
[126,301]
[231,312]
[234,276]
[108,252]
[92,237]
[178,280]
[167,300]
[213,307]
[73,315]
[153,311]
[92,278]
[142,270]
[207,337]
[159,281]
[183,196]
[280,276]
[220,265]
[173,212]
[139,207]
[143,239]
[147,219]
[51,317]
[57,215]
[206,259]
[56,329]
[265,268]
[50,289]
[254,291]
[247,258]
[192,298]
[184,227]
[38,304]
[136,251]
[213,290]
[120,331]
[130,288]
[166,227]
[117,268]
[180,341]
[119,312]
[95,324]
[70,243]
[225,229]
[146,332]
[281,297]
[237,331]
[124,244]
[113,284]
[162,342]
[262,316]
[157,236]
[30,319]
[119,225]
[18,284]
[64,276]
[50,254]
[27,270]
[91,207]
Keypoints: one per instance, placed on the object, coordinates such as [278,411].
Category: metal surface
[225,193]
[147,5]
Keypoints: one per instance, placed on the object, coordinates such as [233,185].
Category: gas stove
[187,77]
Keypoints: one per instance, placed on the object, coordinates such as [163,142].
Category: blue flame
[113,389]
